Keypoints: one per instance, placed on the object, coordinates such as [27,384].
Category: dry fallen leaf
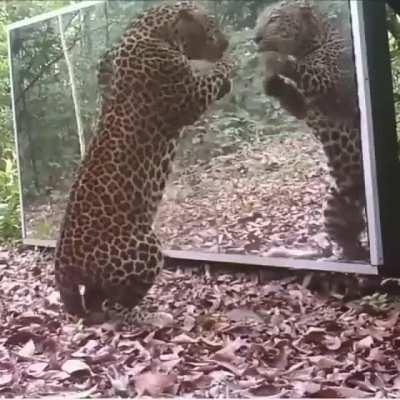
[228,352]
[376,355]
[28,350]
[348,392]
[37,369]
[324,362]
[396,383]
[307,388]
[314,334]
[82,395]
[196,381]
[53,298]
[6,379]
[53,375]
[28,318]
[365,343]
[267,390]
[243,314]
[154,383]
[332,342]
[188,323]
[183,338]
[74,366]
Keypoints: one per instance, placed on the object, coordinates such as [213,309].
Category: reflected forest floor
[221,335]
[246,201]
[232,195]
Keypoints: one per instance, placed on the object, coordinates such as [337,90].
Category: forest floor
[232,196]
[221,335]
[246,200]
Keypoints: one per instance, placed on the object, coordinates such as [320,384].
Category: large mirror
[273,170]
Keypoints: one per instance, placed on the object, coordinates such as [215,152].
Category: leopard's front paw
[273,85]
[278,64]
[291,99]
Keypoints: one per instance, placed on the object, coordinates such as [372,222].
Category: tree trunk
[75,99]
[107,24]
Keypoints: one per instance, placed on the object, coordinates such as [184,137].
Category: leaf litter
[260,187]
[217,335]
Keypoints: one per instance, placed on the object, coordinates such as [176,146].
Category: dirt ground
[220,335]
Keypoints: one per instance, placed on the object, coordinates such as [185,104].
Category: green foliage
[11,11]
[394,45]
[9,201]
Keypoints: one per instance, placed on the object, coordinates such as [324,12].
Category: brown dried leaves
[218,336]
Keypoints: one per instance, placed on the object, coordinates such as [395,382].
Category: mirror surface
[250,178]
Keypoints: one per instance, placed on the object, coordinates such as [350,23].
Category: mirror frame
[380,158]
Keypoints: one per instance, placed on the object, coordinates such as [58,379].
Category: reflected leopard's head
[287,27]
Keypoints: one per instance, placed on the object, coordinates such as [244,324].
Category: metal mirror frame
[380,159]
[383,128]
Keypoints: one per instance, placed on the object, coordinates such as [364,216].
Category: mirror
[252,177]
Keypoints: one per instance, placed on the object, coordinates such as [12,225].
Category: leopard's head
[198,34]
[290,27]
[185,25]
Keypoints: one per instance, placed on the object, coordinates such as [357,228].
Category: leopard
[107,254]
[309,68]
